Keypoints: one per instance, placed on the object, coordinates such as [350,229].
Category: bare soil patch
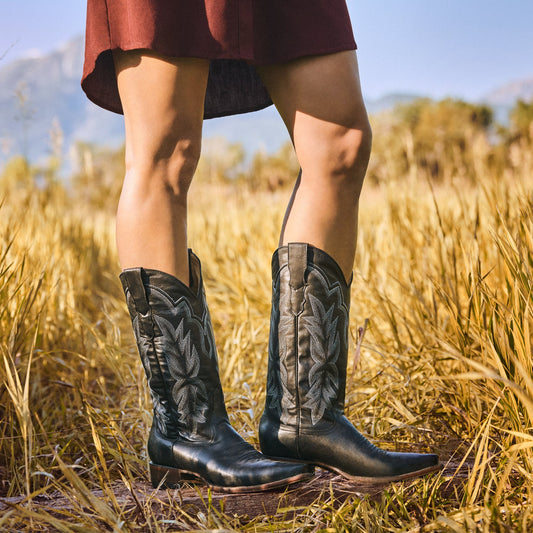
[193,499]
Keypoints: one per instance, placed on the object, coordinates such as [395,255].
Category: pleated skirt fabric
[235,35]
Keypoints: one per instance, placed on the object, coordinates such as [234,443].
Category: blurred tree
[522,120]
[441,139]
[221,161]
[273,171]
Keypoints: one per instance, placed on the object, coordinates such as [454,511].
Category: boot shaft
[308,346]
[175,340]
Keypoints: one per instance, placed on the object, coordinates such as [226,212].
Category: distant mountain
[50,86]
[389,101]
[41,94]
[508,94]
[503,99]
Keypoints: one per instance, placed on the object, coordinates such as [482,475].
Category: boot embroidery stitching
[182,339]
[273,396]
[206,329]
[279,397]
[286,332]
[161,412]
[144,344]
[188,392]
[326,327]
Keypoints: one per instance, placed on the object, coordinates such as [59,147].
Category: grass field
[444,275]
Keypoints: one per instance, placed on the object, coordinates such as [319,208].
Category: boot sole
[366,479]
[167,477]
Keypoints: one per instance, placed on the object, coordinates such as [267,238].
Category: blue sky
[462,48]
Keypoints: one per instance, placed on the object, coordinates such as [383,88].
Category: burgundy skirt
[234,34]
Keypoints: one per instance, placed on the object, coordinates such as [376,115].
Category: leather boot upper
[308,350]
[191,432]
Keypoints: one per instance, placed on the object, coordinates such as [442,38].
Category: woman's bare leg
[163,107]
[320,101]
[163,101]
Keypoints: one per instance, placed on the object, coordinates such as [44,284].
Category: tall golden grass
[444,275]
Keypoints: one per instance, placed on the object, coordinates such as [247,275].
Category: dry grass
[444,275]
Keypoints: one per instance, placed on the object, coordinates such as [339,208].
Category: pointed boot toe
[335,444]
[415,464]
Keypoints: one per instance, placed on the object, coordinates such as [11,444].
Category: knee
[349,153]
[177,170]
[337,156]
[167,167]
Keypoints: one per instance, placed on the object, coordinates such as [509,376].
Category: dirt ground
[324,486]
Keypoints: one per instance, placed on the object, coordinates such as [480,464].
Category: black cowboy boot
[191,436]
[304,413]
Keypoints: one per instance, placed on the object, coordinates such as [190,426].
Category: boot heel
[167,477]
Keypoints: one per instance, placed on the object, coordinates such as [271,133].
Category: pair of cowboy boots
[303,423]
